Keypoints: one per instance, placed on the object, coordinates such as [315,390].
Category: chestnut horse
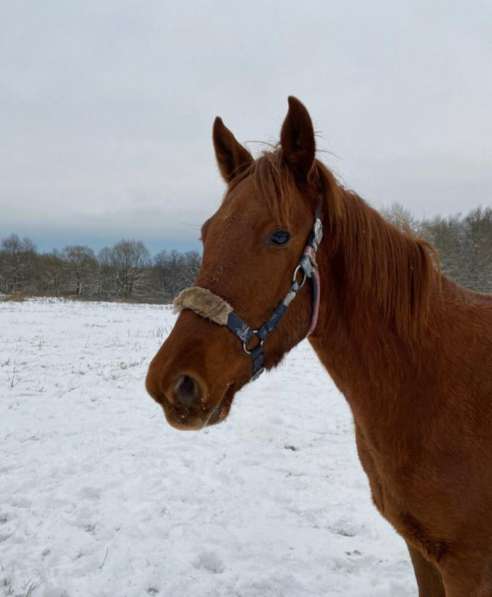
[410,350]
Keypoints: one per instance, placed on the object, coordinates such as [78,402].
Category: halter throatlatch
[205,303]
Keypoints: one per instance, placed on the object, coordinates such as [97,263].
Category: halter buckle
[261,341]
[298,269]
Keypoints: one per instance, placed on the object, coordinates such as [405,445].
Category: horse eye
[280,237]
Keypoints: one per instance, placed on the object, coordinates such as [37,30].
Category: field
[100,497]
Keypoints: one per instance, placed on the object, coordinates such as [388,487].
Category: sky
[106,108]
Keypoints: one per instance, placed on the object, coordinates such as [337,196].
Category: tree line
[463,243]
[124,271]
[127,272]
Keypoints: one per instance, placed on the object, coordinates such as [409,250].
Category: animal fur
[204,303]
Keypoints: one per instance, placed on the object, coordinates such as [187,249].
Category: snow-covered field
[100,497]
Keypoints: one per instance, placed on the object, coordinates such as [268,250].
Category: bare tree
[400,217]
[80,265]
[123,266]
[478,233]
[175,271]
[51,274]
[17,265]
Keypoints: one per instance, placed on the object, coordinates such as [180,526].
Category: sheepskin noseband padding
[203,303]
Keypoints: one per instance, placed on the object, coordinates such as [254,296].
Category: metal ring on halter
[304,275]
[260,343]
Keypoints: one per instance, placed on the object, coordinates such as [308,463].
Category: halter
[220,312]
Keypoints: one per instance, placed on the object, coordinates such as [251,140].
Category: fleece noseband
[205,303]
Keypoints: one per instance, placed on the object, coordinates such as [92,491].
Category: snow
[100,497]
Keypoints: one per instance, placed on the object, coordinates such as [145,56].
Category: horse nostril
[187,391]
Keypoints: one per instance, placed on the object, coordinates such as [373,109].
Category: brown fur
[410,350]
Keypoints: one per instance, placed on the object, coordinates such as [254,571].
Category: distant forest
[127,272]
[122,272]
[463,243]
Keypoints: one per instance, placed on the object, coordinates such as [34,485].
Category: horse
[292,253]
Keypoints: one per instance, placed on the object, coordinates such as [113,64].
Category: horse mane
[378,264]
[384,265]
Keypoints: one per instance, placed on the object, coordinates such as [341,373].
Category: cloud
[106,108]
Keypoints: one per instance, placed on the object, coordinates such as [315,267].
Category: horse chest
[399,505]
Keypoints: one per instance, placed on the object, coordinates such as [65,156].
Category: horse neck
[372,339]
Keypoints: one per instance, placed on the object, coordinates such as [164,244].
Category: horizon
[44,245]
[155,246]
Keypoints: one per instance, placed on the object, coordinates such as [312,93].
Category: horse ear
[297,139]
[231,156]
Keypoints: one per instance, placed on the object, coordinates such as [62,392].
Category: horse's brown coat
[410,350]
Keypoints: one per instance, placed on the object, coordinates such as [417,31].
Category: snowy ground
[100,497]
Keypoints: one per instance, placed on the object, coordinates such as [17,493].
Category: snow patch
[100,497]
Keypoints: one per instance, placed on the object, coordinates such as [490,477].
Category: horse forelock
[273,184]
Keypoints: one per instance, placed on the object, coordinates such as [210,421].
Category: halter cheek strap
[205,303]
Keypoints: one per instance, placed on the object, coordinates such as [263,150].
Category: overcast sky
[106,107]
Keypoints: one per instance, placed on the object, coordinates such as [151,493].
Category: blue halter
[306,268]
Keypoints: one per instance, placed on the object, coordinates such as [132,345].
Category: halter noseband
[216,309]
